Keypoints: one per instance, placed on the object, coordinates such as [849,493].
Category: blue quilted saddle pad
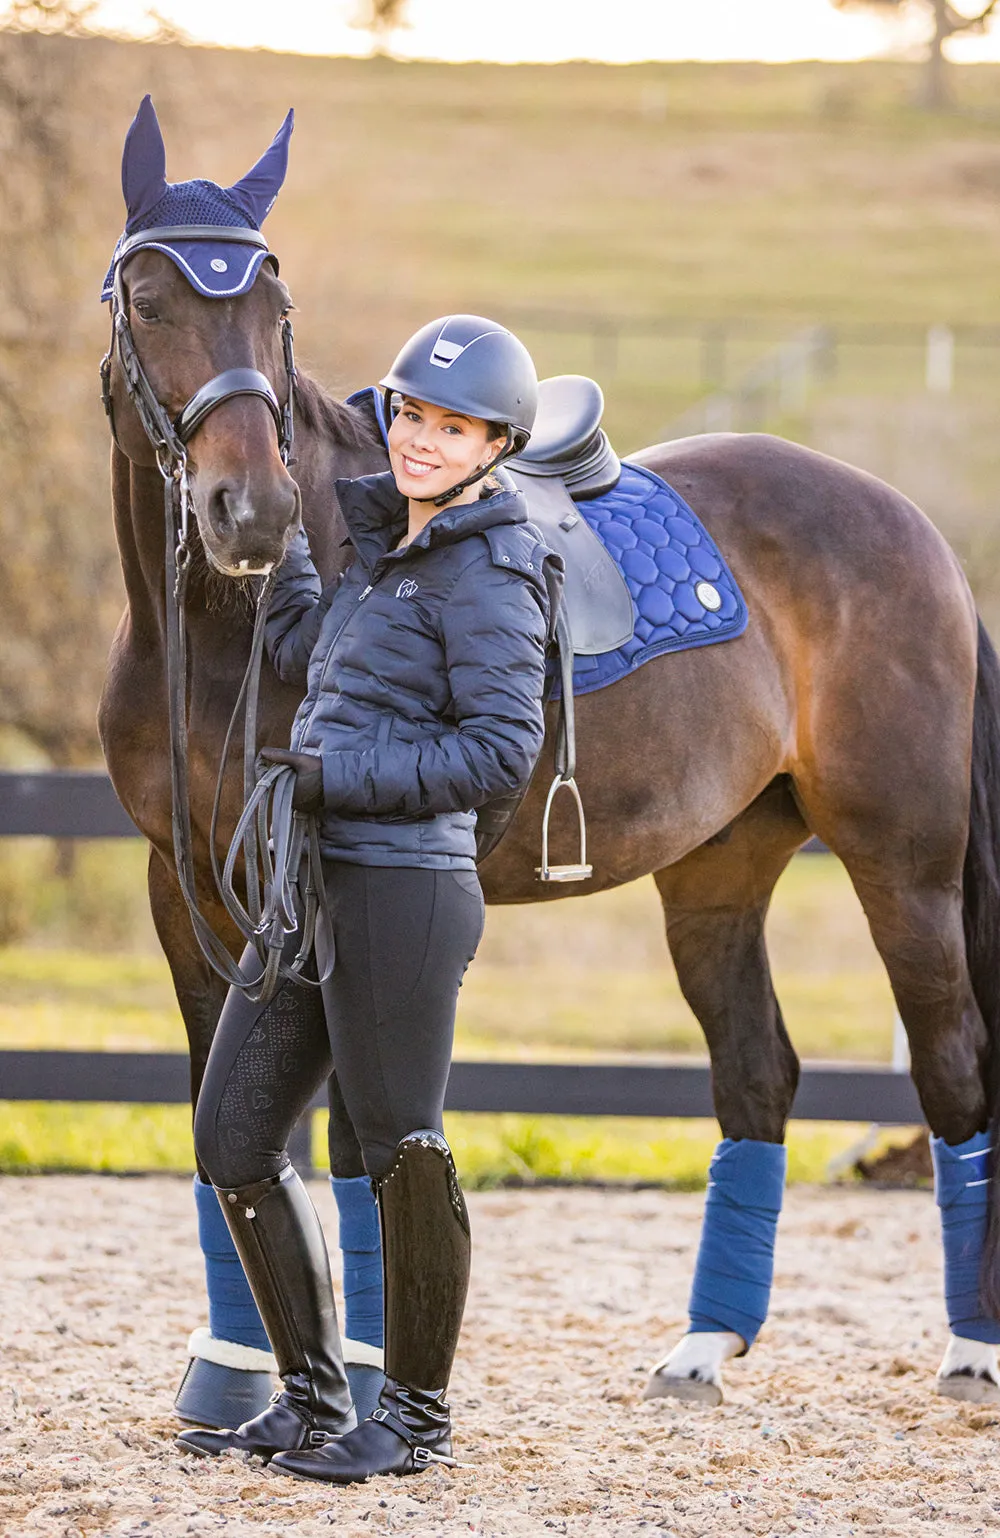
[683,593]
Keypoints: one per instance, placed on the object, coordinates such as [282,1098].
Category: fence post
[713,358]
[940,371]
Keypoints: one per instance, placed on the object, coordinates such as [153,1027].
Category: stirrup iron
[581,871]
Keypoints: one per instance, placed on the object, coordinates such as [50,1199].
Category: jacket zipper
[326,663]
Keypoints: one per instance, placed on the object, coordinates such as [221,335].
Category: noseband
[266,920]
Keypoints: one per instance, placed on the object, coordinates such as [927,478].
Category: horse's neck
[137,503]
[322,457]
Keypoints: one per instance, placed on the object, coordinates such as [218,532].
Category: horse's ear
[144,162]
[256,192]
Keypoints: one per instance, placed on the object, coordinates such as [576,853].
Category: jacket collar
[376,516]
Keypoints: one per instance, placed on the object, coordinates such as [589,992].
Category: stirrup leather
[565,757]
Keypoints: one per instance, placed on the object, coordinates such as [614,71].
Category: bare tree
[380,18]
[946,21]
[59,582]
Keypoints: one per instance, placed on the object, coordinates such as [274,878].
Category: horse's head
[200,374]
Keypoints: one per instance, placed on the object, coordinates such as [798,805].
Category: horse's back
[871,622]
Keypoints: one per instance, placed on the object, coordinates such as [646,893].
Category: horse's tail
[981,891]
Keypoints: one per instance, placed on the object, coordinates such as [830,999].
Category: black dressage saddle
[570,460]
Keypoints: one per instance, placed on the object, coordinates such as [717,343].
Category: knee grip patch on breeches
[735,1266]
[961,1188]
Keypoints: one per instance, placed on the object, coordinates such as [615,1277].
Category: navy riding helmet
[470,364]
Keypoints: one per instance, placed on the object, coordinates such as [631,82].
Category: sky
[513,31]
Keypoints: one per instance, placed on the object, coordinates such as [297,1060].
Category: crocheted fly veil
[181,218]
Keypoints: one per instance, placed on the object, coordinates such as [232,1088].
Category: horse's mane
[319,411]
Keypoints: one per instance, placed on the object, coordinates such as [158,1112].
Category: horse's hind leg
[918,930]
[715,902]
[891,798]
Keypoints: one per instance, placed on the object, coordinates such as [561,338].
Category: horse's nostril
[227,511]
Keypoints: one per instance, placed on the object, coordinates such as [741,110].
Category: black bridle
[270,835]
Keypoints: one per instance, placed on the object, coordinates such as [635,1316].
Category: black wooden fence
[78,804]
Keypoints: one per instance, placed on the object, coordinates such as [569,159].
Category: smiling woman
[424,671]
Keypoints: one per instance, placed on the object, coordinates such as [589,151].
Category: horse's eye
[145,310]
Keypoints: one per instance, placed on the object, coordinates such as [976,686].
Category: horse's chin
[238,567]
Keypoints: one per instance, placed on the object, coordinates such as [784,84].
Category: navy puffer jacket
[424,670]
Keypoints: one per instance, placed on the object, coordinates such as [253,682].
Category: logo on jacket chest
[406,588]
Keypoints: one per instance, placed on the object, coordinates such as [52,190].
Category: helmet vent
[443,353]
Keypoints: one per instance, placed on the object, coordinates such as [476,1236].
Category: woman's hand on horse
[308,793]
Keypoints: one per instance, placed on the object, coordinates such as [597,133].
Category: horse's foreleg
[919,933]
[715,902]
[230,1365]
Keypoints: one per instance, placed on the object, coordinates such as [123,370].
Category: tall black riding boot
[280,1242]
[426,1252]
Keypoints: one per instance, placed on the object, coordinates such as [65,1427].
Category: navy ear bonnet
[211,233]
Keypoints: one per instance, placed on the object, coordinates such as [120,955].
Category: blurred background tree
[58,576]
[944,21]
[380,19]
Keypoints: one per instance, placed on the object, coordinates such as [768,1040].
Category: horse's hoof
[690,1390]
[968,1389]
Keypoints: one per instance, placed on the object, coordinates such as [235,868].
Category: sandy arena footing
[830,1426]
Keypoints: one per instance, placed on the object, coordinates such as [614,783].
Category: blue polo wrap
[962,1189]
[232,1312]
[735,1267]
[361,1247]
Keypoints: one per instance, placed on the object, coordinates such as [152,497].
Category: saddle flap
[595,594]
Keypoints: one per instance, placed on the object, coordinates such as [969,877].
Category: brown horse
[861,705]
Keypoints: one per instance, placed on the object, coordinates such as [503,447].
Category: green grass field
[580,979]
[556,198]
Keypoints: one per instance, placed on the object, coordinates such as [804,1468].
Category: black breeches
[385,1024]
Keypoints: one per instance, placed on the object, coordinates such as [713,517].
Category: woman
[424,672]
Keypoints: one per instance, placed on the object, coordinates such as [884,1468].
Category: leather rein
[271,837]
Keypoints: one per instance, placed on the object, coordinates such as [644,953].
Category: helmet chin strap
[470,480]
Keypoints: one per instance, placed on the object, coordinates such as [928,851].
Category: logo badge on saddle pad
[211,233]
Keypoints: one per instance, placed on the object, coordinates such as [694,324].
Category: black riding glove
[308,793]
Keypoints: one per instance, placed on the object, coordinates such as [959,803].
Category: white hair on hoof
[969,1372]
[692,1371]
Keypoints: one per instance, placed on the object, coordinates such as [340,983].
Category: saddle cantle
[569,459]
[568,441]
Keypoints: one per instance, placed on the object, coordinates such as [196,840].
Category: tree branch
[959,23]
